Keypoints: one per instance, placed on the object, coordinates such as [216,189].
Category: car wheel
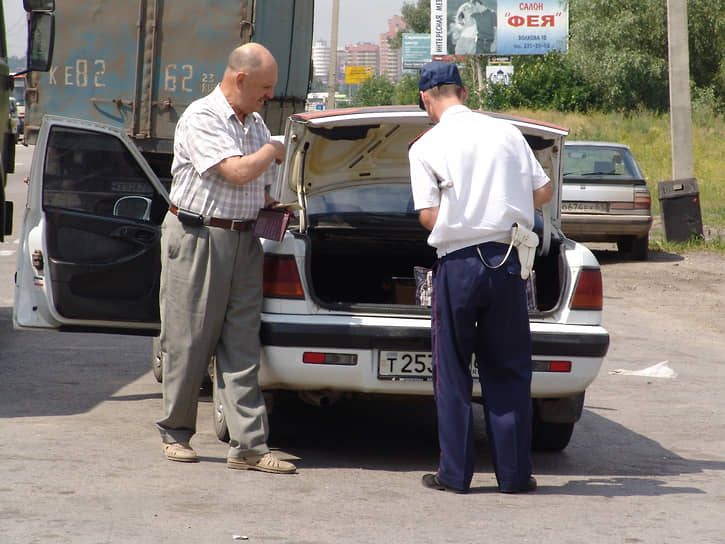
[550,436]
[220,420]
[156,364]
[640,248]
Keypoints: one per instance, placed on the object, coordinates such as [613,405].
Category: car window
[388,199]
[599,161]
[96,174]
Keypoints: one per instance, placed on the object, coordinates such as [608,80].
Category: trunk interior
[375,266]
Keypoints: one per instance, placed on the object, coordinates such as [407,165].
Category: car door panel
[90,251]
[102,270]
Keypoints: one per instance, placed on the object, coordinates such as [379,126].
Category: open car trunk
[349,175]
[366,265]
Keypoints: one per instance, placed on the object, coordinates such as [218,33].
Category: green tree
[376,91]
[406,91]
[620,48]
[417,20]
[706,30]
[317,85]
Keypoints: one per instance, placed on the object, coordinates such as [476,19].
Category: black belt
[238,225]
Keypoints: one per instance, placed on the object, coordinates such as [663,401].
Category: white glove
[525,241]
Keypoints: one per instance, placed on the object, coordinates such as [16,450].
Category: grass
[648,135]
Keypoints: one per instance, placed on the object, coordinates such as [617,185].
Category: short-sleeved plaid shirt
[207,133]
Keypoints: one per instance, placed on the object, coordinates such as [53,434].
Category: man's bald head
[249,58]
[249,78]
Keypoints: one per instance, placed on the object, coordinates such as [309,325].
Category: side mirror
[133,207]
[41,36]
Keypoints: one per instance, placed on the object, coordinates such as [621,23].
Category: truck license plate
[409,364]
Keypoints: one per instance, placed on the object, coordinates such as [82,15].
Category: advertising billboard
[498,27]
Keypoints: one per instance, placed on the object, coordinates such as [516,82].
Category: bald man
[211,276]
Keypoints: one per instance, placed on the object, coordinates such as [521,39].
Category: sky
[16,25]
[360,21]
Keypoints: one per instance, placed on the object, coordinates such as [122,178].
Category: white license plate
[583,207]
[409,364]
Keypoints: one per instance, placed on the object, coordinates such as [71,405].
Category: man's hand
[279,151]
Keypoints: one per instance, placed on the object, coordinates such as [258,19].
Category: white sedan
[340,315]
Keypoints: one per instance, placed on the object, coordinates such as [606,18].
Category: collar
[221,100]
[453,110]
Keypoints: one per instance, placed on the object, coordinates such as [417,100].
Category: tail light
[588,292]
[281,278]
[642,201]
[551,366]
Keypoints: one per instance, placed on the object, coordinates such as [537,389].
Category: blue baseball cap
[437,73]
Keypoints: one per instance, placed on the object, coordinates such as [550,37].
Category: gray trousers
[210,302]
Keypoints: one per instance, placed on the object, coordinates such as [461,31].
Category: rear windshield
[379,199]
[596,161]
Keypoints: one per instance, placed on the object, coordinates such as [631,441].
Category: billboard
[355,75]
[498,27]
[416,50]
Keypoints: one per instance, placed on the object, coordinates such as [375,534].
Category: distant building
[321,61]
[363,54]
[390,59]
[381,57]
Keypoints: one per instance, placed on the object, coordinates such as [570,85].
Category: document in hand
[271,223]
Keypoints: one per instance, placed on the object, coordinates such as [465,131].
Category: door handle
[144,236]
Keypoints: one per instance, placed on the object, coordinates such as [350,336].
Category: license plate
[583,207]
[409,364]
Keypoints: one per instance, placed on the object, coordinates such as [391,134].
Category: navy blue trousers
[477,309]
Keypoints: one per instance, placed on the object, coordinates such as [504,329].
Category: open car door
[89,257]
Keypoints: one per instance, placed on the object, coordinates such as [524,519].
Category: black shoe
[527,488]
[431,481]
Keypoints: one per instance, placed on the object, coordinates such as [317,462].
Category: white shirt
[207,133]
[493,173]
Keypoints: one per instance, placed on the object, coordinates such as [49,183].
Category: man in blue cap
[473,177]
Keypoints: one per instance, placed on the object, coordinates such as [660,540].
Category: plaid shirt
[207,133]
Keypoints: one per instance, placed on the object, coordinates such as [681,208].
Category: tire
[624,245]
[220,420]
[550,436]
[640,248]
[156,364]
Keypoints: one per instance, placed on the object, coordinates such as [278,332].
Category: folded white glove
[525,241]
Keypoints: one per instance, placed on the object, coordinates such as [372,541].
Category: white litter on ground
[660,370]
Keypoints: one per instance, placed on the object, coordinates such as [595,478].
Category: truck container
[136,65]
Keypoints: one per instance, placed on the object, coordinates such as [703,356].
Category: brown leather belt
[237,225]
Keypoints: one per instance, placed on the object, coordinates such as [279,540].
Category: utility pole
[680,198]
[333,55]
[680,107]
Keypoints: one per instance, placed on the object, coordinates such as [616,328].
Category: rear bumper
[582,341]
[604,228]
[285,342]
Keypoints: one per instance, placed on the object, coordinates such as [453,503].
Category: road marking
[7,252]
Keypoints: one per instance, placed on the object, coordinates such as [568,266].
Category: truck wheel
[640,248]
[156,365]
[550,436]
[220,420]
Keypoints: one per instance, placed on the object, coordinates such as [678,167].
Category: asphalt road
[80,458]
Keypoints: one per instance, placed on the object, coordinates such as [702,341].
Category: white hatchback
[340,314]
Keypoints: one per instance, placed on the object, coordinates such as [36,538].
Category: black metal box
[680,208]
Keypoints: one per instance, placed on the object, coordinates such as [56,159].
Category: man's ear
[464,94]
